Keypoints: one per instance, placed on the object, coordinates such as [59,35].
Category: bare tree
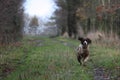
[66,16]
[34,23]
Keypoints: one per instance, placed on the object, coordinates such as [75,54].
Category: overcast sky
[41,8]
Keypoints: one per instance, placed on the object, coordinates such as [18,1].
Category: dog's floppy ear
[80,38]
[89,40]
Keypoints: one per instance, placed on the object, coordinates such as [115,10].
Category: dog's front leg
[79,58]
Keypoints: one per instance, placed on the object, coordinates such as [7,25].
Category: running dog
[83,50]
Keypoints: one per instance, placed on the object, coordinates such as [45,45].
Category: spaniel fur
[83,50]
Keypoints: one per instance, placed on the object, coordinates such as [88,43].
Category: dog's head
[85,42]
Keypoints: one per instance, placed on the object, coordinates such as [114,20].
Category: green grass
[40,58]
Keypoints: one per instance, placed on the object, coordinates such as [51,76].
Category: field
[41,58]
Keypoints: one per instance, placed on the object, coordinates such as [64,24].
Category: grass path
[55,59]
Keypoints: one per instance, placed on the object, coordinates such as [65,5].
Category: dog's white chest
[80,48]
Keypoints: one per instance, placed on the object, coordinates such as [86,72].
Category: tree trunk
[71,20]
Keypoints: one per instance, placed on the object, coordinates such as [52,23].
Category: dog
[83,50]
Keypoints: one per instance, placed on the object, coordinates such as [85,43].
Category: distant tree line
[32,23]
[11,20]
[90,15]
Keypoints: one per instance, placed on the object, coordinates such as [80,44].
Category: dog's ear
[89,40]
[80,38]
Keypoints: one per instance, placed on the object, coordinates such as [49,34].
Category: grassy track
[39,58]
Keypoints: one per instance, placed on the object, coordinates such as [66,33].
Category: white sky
[41,8]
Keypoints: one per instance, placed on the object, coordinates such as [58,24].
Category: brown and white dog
[83,50]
